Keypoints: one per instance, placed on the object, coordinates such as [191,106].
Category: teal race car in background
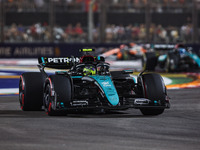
[179,58]
[171,58]
[87,84]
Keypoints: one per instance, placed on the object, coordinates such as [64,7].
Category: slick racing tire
[171,63]
[57,95]
[153,89]
[149,61]
[31,91]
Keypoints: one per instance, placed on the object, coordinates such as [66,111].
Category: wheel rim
[47,97]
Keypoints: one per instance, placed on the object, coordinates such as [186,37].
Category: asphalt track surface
[176,129]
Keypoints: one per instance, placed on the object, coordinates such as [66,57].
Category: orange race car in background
[124,52]
[131,52]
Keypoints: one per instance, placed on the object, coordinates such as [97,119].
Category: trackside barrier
[35,50]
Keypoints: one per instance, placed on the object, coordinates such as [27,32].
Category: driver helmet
[89,70]
[181,50]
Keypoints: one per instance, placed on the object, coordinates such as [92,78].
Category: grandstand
[155,21]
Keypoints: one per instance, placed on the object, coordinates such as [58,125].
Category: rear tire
[61,85]
[153,89]
[31,91]
[149,61]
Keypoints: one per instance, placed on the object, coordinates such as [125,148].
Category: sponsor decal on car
[61,60]
[106,84]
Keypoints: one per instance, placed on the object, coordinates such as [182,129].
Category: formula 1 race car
[179,58]
[87,84]
[133,56]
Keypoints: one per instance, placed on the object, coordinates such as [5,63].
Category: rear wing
[163,47]
[58,62]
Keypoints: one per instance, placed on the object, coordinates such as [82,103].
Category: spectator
[135,33]
[132,33]
[109,33]
[128,32]
[78,29]
[69,31]
[59,34]
[161,34]
[96,34]
[121,33]
[12,33]
[142,32]
[174,35]
[78,33]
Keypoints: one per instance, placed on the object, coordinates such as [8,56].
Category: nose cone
[109,89]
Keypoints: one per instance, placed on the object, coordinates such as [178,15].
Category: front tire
[153,89]
[57,95]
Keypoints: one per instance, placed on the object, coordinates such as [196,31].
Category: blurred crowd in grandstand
[40,32]
[113,5]
[114,33]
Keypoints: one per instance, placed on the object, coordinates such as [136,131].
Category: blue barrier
[34,50]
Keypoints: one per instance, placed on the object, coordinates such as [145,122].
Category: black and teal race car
[87,84]
[179,58]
